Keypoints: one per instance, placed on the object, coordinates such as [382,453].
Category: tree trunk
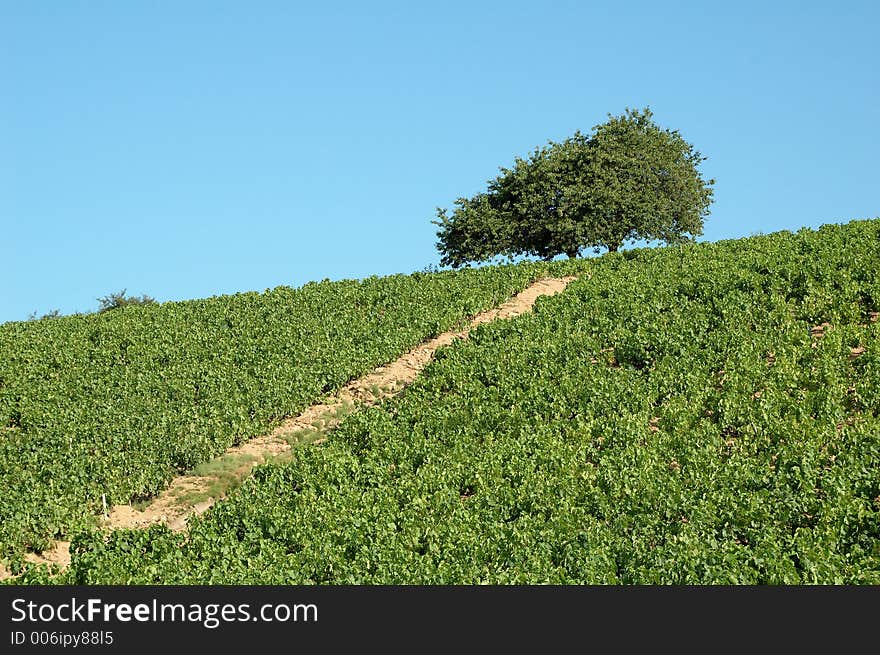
[571,254]
[612,247]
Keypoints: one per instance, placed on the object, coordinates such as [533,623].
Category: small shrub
[119,299]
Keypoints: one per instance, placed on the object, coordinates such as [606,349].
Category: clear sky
[185,149]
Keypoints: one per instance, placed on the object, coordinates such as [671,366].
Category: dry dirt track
[171,508]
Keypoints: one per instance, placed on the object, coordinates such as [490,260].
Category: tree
[627,181]
[119,299]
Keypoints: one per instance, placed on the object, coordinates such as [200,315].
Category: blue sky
[188,149]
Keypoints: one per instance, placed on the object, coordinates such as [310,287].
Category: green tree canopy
[627,181]
[119,299]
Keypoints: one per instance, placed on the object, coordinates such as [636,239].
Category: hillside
[699,414]
[107,408]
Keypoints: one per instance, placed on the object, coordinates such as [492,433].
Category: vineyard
[706,413]
[107,408]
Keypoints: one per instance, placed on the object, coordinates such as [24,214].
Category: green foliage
[672,418]
[119,299]
[118,402]
[52,313]
[630,180]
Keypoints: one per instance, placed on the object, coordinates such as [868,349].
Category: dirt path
[189,495]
